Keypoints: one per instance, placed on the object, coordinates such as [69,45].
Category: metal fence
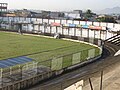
[45,69]
[49,67]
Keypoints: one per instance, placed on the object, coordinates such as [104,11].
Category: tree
[88,11]
[88,14]
[106,18]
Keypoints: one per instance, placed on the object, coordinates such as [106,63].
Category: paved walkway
[111,79]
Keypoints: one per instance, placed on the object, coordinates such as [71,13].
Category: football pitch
[37,47]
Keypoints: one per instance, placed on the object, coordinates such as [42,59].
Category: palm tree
[89,11]
[88,14]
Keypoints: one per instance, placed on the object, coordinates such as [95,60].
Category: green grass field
[13,45]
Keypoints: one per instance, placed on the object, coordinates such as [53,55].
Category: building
[22,13]
[10,15]
[54,14]
[57,15]
[76,14]
[3,8]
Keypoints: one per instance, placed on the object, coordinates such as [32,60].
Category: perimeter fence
[45,69]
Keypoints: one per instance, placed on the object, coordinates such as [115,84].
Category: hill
[114,10]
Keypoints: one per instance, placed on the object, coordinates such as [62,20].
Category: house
[76,14]
[57,15]
[22,13]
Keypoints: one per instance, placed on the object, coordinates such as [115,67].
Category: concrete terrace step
[113,38]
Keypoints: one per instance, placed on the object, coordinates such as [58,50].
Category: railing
[31,74]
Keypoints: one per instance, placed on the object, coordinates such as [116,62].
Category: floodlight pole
[37,67]
[1,76]
[10,70]
[1,72]
[21,71]
[101,82]
[90,84]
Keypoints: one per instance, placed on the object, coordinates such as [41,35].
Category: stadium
[36,49]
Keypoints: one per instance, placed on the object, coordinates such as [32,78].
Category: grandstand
[50,63]
[114,40]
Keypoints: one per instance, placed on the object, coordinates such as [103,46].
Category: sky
[61,5]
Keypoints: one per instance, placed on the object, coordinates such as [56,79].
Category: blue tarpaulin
[14,61]
[72,25]
[85,26]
